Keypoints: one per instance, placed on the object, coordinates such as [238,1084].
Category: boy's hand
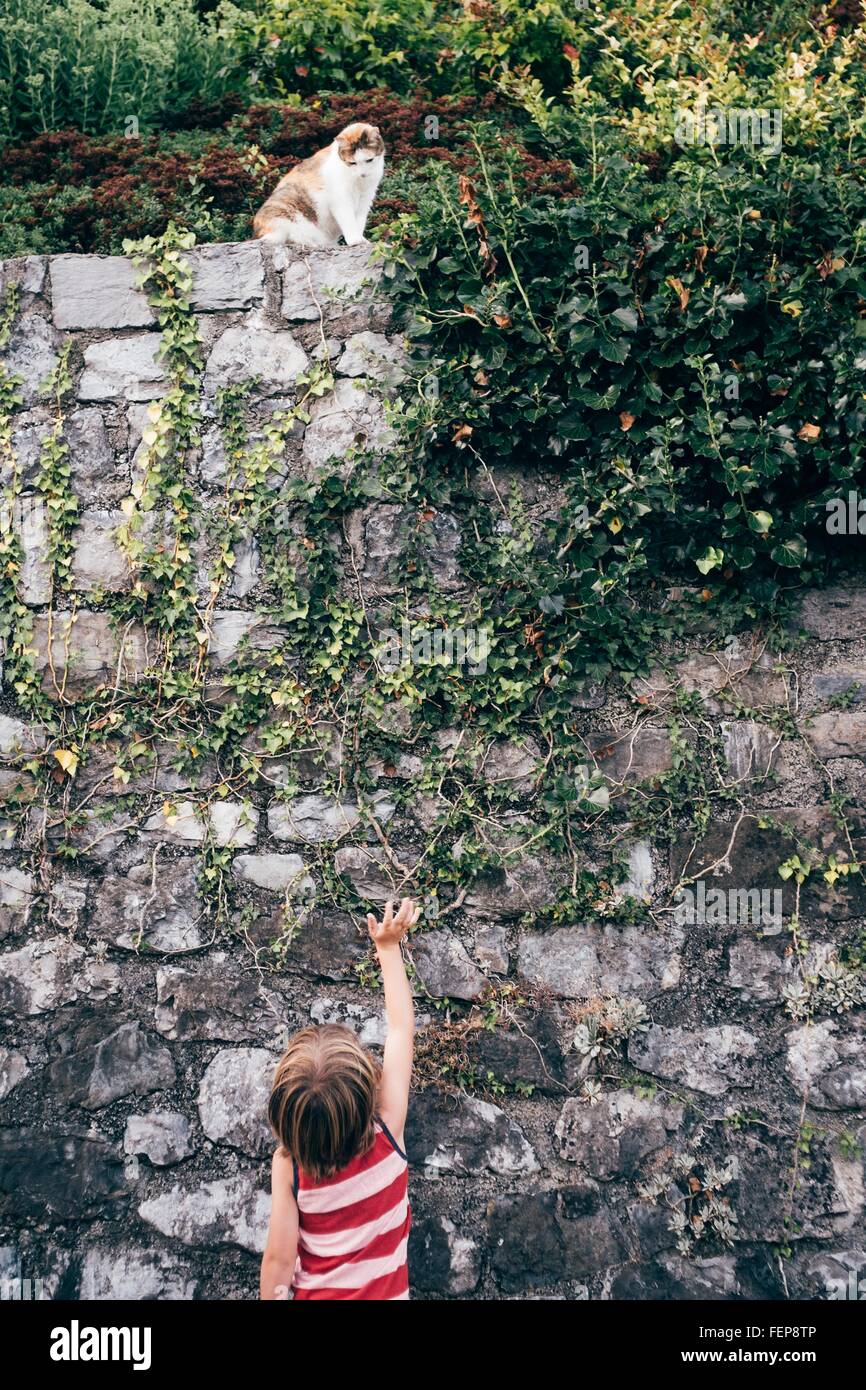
[392,928]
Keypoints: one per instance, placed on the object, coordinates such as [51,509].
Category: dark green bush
[685,351]
[291,47]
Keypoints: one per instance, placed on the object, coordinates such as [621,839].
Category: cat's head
[361,146]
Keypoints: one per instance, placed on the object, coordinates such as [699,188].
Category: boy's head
[323,1099]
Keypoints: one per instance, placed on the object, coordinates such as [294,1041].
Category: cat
[328,195]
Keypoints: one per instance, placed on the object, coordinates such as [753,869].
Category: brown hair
[323,1099]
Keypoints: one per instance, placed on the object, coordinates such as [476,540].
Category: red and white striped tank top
[353,1228]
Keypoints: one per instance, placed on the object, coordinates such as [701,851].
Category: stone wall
[143,1012]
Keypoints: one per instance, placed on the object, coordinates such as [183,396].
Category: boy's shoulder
[284,1171]
[393,1136]
[281,1163]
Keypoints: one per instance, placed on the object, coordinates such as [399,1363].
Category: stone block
[710,1060]
[460,1135]
[578,962]
[347,421]
[227,276]
[102,1066]
[123,369]
[31,354]
[78,652]
[252,349]
[60,1174]
[227,1210]
[444,966]
[98,561]
[97,292]
[837,614]
[233,1099]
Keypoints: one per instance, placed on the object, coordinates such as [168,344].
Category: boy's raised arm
[399,1011]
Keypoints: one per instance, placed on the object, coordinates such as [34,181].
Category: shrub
[685,351]
[291,47]
[65,190]
[101,66]
[69,191]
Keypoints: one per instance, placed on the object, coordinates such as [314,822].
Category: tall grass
[102,66]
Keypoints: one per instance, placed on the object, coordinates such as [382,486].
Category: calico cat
[328,195]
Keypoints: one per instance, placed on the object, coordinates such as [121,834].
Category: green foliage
[649,342]
[159,531]
[294,49]
[96,66]
[16,620]
[12,611]
[336,45]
